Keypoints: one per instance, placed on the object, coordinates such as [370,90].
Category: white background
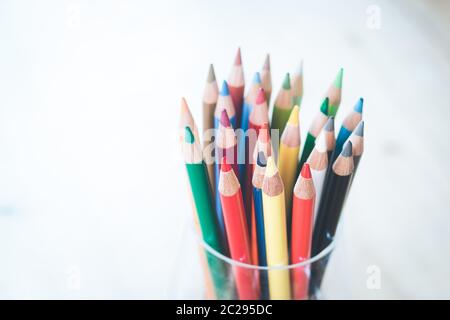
[93,198]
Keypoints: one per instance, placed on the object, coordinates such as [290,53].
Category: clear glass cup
[200,272]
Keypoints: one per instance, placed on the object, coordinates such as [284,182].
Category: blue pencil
[348,125]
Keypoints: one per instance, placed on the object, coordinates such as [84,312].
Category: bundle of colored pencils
[266,208]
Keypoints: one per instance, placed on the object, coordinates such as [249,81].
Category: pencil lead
[287,82]
[260,96]
[261,159]
[256,78]
[359,105]
[224,119]
[338,80]
[306,171]
[293,118]
[188,135]
[225,166]
[267,63]
[224,91]
[271,167]
[359,130]
[211,74]
[324,106]
[347,150]
[238,59]
[329,126]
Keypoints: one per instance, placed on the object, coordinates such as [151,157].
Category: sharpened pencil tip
[306,171]
[211,74]
[256,78]
[329,126]
[347,150]
[184,106]
[260,96]
[338,80]
[238,59]
[359,105]
[261,159]
[267,63]
[271,167]
[324,106]
[225,166]
[287,82]
[224,90]
[359,130]
[188,135]
[293,118]
[224,119]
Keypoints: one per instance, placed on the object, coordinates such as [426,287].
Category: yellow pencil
[275,232]
[288,159]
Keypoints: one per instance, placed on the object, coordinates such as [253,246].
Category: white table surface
[92,189]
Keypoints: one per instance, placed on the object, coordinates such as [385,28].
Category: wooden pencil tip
[347,150]
[293,118]
[260,96]
[184,107]
[211,74]
[238,59]
[359,105]
[188,135]
[224,119]
[359,130]
[267,63]
[264,135]
[261,159]
[271,167]
[321,142]
[306,171]
[329,126]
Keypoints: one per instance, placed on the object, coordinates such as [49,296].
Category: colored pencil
[236,84]
[334,94]
[201,190]
[210,95]
[302,227]
[282,107]
[333,198]
[258,177]
[329,136]
[266,78]
[314,130]
[297,86]
[249,101]
[226,145]
[348,125]
[275,231]
[237,230]
[264,143]
[288,159]
[318,163]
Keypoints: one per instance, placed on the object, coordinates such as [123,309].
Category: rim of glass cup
[220,256]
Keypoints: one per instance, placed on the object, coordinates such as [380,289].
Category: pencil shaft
[261,241]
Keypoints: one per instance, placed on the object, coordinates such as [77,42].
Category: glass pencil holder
[202,273]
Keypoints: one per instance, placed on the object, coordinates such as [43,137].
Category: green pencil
[316,126]
[202,194]
[334,94]
[297,86]
[282,106]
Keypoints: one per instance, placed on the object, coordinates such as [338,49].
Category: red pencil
[236,84]
[302,226]
[226,142]
[237,232]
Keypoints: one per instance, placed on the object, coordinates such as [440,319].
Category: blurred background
[93,199]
